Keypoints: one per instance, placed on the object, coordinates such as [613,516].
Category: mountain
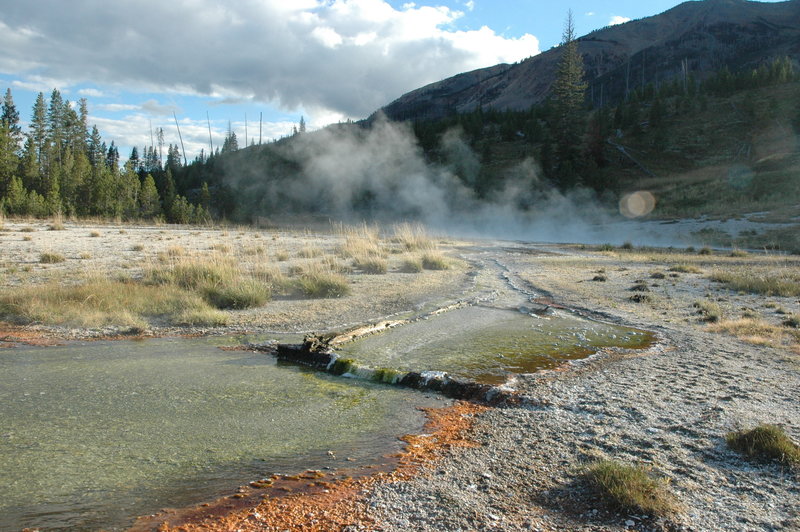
[693,39]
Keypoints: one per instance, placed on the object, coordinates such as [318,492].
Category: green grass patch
[631,488]
[765,442]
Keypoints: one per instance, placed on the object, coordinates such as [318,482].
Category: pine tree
[37,132]
[10,137]
[149,203]
[569,92]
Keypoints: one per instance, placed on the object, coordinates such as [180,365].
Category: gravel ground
[668,409]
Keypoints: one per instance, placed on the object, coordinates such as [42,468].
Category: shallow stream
[488,344]
[95,434]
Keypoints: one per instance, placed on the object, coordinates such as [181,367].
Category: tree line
[61,166]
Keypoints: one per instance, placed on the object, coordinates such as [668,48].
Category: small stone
[629,522]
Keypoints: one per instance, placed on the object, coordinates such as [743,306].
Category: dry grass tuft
[632,489]
[434,261]
[57,224]
[765,281]
[94,234]
[319,282]
[765,442]
[711,312]
[413,237]
[360,242]
[97,302]
[371,265]
[220,281]
[309,252]
[685,268]
[411,265]
[758,332]
[49,257]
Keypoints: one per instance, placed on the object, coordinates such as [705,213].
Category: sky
[246,64]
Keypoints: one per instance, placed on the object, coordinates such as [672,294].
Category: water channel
[488,345]
[94,434]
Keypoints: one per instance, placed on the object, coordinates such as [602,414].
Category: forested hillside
[719,147]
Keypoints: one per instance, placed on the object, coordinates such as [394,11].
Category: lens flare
[637,204]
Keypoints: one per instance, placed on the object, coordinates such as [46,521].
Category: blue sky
[139,62]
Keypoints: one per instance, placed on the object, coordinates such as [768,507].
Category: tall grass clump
[411,265]
[434,261]
[371,265]
[413,237]
[631,488]
[359,241]
[319,282]
[57,224]
[783,283]
[220,281]
[765,442]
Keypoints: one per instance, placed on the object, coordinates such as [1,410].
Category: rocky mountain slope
[692,39]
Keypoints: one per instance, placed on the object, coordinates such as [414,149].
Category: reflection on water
[94,435]
[486,344]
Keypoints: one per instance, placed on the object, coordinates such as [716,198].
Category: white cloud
[157,109]
[617,19]
[347,56]
[327,36]
[117,107]
[590,14]
[91,93]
